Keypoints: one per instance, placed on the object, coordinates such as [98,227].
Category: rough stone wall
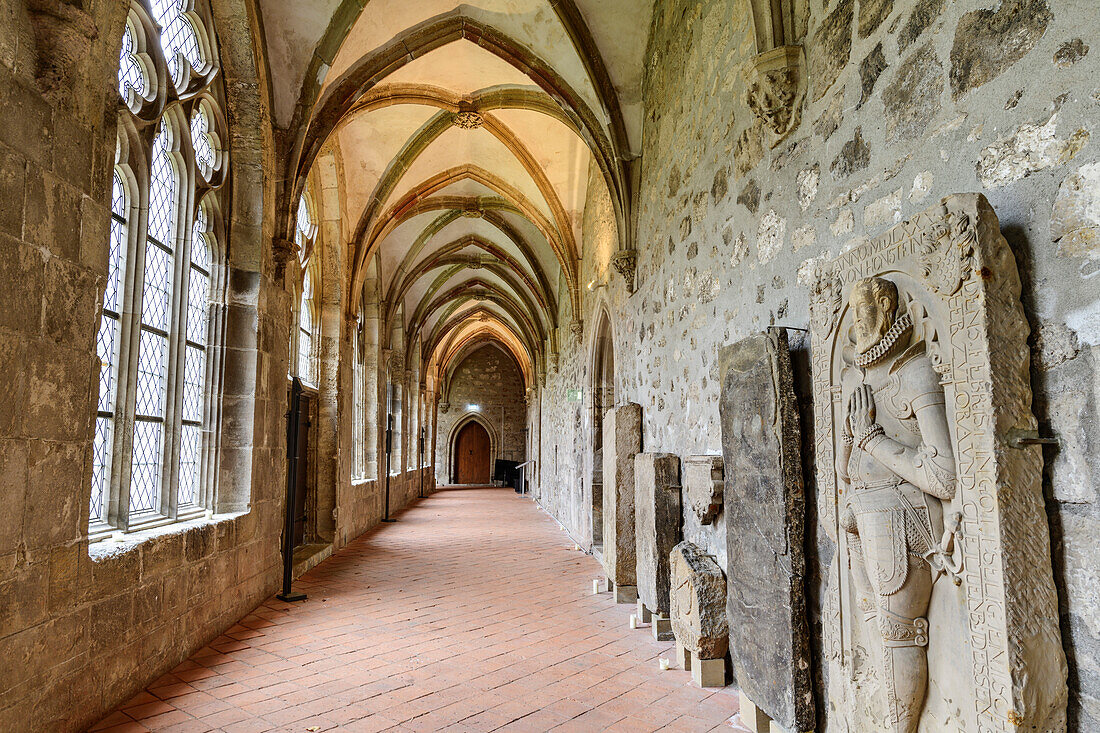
[82,629]
[491,379]
[908,101]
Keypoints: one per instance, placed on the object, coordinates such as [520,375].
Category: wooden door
[472,455]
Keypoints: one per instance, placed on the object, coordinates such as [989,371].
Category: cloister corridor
[472,612]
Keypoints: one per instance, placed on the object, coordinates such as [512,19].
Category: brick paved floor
[472,613]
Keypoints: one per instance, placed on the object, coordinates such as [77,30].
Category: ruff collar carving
[901,327]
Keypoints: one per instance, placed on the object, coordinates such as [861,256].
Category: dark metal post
[389,449]
[294,418]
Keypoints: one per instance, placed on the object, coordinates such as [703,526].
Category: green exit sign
[573,395]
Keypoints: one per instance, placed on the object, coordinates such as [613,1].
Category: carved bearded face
[874,303]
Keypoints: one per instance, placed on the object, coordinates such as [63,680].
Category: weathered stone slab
[703,484]
[622,440]
[657,507]
[698,599]
[764,507]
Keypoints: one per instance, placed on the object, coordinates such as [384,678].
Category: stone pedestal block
[764,508]
[622,440]
[698,598]
[709,672]
[657,505]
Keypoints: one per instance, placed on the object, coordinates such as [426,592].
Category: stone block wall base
[708,672]
[683,658]
[755,719]
[644,616]
[662,628]
[626,593]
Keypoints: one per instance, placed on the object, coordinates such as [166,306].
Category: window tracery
[153,343]
[304,338]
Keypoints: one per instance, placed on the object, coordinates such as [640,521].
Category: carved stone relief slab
[940,611]
[657,508]
[698,612]
[622,440]
[703,484]
[765,515]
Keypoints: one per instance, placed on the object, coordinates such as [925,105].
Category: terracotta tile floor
[472,613]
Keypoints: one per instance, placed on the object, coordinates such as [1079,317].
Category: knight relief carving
[940,611]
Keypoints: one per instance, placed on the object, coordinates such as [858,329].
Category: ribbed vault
[465,134]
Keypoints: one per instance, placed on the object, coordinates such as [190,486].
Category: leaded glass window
[177,37]
[107,350]
[305,329]
[153,343]
[305,335]
[358,407]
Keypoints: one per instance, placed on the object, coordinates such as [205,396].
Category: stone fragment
[854,156]
[807,186]
[750,196]
[1075,220]
[870,69]
[990,40]
[622,439]
[1070,52]
[749,149]
[923,16]
[871,15]
[657,508]
[1033,147]
[698,599]
[703,487]
[764,506]
[912,99]
[886,210]
[832,47]
[770,235]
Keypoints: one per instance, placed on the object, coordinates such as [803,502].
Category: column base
[644,616]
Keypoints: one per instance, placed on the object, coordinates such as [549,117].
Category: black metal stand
[389,449]
[293,421]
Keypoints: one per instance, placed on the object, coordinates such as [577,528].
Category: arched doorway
[471,454]
[603,399]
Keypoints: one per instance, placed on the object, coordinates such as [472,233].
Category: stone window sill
[113,542]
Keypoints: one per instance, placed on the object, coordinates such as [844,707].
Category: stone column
[657,506]
[622,440]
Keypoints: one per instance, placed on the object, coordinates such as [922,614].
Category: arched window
[358,463]
[153,341]
[305,336]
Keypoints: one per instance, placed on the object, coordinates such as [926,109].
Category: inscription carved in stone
[940,612]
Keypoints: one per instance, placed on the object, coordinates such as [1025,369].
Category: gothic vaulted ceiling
[463,133]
